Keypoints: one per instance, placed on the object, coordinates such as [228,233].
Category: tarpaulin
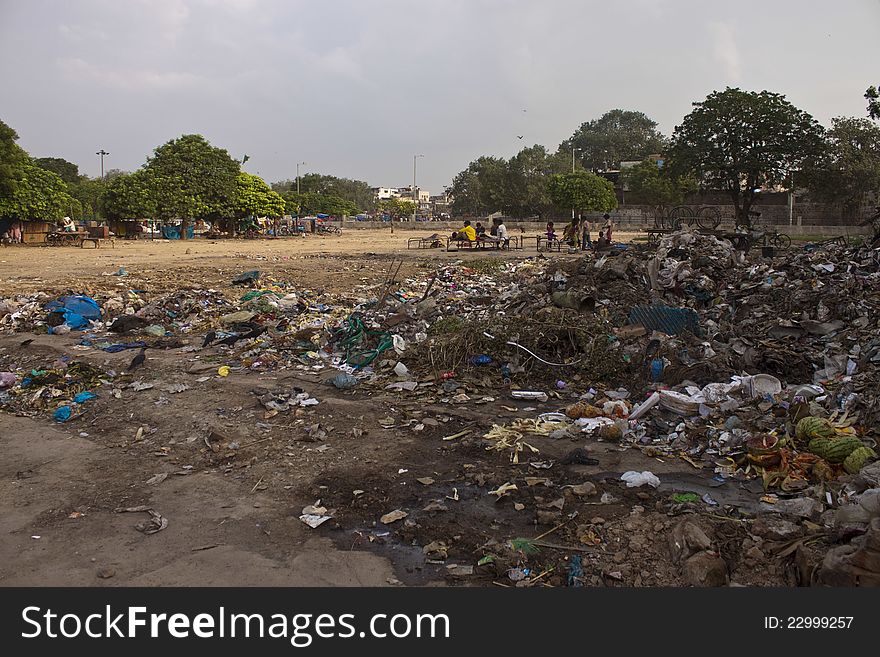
[77,310]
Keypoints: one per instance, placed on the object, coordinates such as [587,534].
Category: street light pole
[298,199]
[102,153]
[414,193]
[572,170]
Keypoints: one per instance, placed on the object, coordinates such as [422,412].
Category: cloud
[725,51]
[79,70]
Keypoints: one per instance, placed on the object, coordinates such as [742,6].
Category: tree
[88,191]
[314,203]
[256,199]
[849,171]
[191,179]
[647,183]
[581,191]
[39,195]
[872,95]
[129,197]
[525,186]
[67,171]
[396,208]
[354,191]
[480,188]
[739,141]
[12,160]
[617,136]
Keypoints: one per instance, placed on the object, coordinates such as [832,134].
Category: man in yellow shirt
[467,232]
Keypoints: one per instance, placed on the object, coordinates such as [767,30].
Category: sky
[357,88]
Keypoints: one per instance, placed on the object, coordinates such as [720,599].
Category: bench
[424,242]
[97,241]
[549,244]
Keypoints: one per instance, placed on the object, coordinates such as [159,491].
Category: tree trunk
[184,224]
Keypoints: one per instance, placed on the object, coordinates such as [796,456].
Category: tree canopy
[740,141]
[396,208]
[38,195]
[849,170]
[872,95]
[129,197]
[582,191]
[255,198]
[617,136]
[313,203]
[356,192]
[12,159]
[192,179]
[648,183]
[480,189]
[67,171]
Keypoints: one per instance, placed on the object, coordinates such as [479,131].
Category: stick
[257,484]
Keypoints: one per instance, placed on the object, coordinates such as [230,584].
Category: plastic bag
[635,479]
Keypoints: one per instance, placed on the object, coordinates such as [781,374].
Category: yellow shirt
[469,233]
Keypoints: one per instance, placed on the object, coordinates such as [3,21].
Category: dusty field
[237,477]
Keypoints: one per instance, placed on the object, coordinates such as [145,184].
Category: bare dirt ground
[237,479]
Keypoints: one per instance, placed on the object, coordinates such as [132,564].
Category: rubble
[757,376]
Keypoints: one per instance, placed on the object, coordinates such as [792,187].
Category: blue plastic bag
[84,397]
[77,310]
[62,414]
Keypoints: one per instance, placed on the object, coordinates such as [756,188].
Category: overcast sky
[357,87]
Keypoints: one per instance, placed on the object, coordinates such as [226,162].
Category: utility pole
[102,153]
[298,199]
[415,194]
[572,170]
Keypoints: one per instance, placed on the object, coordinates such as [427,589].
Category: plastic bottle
[481,359]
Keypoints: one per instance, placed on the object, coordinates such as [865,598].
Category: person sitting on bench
[602,244]
[467,232]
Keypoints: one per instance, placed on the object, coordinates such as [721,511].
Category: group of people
[497,232]
[583,241]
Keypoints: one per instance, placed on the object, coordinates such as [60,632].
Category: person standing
[609,225]
[586,242]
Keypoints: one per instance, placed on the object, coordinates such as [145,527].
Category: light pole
[298,199]
[572,170]
[102,153]
[415,193]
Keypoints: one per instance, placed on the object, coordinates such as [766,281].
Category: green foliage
[129,197]
[309,203]
[582,191]
[88,191]
[739,141]
[356,192]
[849,170]
[649,184]
[255,198]
[618,135]
[872,95]
[67,171]
[480,189]
[38,195]
[12,160]
[192,179]
[396,208]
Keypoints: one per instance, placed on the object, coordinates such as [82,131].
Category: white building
[383,193]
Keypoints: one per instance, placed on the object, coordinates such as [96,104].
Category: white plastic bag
[635,479]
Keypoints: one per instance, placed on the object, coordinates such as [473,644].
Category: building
[383,193]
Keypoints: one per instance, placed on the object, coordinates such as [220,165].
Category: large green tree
[581,191]
[396,208]
[356,192]
[739,141]
[525,186]
[480,189]
[12,160]
[88,191]
[67,171]
[191,179]
[38,194]
[309,203]
[649,183]
[129,197]
[617,136]
[848,174]
[255,198]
